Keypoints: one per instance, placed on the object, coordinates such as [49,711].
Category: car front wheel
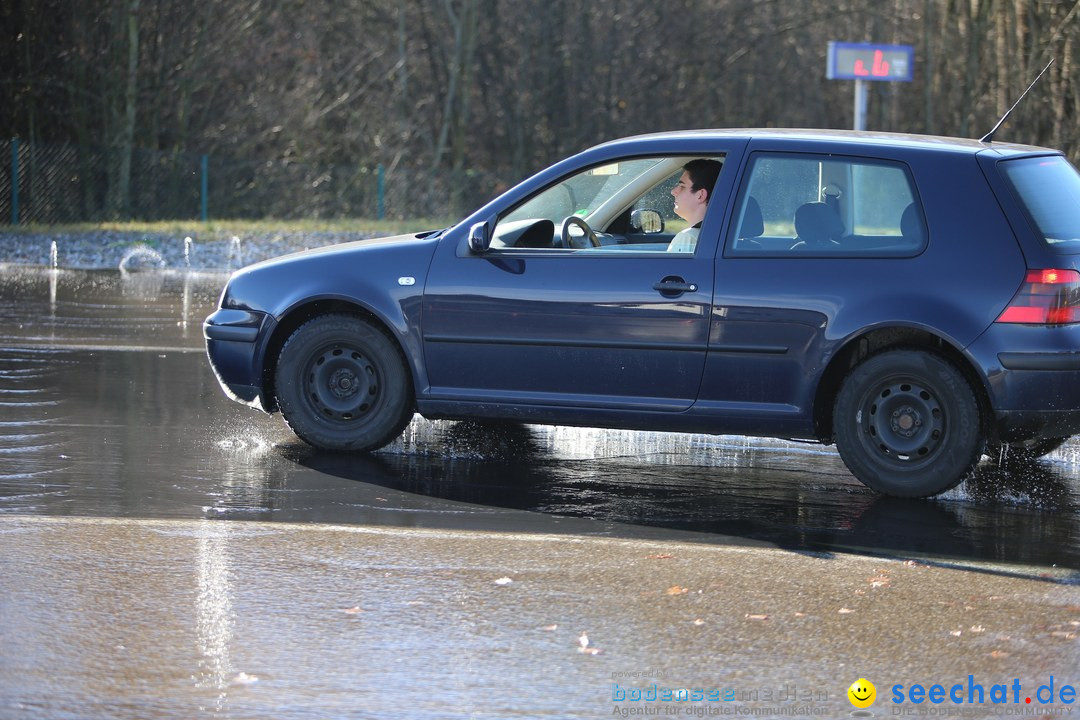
[907,424]
[343,385]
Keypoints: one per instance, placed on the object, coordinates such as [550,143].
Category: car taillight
[1047,297]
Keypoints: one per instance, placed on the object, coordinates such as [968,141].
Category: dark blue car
[915,300]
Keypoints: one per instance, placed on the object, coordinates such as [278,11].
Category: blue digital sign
[870,61]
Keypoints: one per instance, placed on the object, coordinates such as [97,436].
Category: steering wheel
[584,226]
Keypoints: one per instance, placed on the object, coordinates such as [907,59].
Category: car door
[813,235]
[617,327]
[569,330]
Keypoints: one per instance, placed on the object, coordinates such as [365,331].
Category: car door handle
[674,286]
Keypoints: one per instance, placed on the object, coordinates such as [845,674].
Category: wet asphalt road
[114,433]
[110,409]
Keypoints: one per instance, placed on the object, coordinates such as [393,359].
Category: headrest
[911,224]
[752,225]
[816,222]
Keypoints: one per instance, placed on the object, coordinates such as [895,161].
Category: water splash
[140,258]
[53,256]
[236,253]
[187,251]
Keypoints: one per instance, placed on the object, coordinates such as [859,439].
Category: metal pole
[860,104]
[380,189]
[204,184]
[14,181]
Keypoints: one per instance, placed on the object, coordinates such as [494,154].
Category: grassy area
[236,227]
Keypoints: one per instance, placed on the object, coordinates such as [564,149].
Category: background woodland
[498,89]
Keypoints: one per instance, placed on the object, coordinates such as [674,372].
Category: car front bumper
[234,339]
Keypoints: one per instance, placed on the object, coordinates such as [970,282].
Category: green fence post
[14,181]
[380,187]
[204,184]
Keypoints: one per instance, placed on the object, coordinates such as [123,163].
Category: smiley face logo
[862,693]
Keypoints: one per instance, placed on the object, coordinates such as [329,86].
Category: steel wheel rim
[904,421]
[341,383]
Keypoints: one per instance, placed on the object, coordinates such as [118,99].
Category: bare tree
[126,140]
[446,89]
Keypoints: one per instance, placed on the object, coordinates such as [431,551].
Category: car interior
[794,206]
[798,206]
[624,206]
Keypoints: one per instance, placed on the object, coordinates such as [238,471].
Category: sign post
[868,61]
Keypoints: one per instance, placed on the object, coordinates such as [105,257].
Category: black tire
[1023,451]
[907,424]
[342,384]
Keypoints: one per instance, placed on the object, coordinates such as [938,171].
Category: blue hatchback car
[914,300]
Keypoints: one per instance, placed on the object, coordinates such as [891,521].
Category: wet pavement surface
[120,458]
[110,409]
[192,619]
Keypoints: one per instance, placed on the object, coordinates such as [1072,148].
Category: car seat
[818,227]
[912,227]
[751,227]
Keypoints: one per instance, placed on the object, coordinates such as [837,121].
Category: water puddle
[109,409]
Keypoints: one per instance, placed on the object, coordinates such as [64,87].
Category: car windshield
[1049,187]
[583,193]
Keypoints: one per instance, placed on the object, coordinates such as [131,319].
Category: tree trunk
[122,206]
[461,108]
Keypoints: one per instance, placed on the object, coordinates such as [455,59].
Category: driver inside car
[691,195]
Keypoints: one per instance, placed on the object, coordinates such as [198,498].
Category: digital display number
[870,61]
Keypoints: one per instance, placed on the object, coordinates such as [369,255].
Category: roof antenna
[989,137]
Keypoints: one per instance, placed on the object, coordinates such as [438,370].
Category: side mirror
[646,221]
[479,238]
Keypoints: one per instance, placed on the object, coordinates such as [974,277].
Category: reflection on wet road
[104,308]
[108,408]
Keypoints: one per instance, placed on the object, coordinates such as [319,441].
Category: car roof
[852,138]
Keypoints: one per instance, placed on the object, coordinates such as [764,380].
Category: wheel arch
[299,314]
[877,340]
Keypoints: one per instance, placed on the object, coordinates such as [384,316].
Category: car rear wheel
[343,385]
[907,424]
[1024,450]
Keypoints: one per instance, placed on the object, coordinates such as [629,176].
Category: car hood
[368,272]
[344,250]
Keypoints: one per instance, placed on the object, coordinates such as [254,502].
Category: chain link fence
[59,184]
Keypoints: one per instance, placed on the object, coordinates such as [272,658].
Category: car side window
[795,205]
[659,199]
[625,205]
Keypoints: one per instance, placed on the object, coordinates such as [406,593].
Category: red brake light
[1047,297]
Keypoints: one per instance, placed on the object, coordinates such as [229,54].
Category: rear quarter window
[1048,189]
[797,205]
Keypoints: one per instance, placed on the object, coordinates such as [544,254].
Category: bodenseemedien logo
[862,693]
